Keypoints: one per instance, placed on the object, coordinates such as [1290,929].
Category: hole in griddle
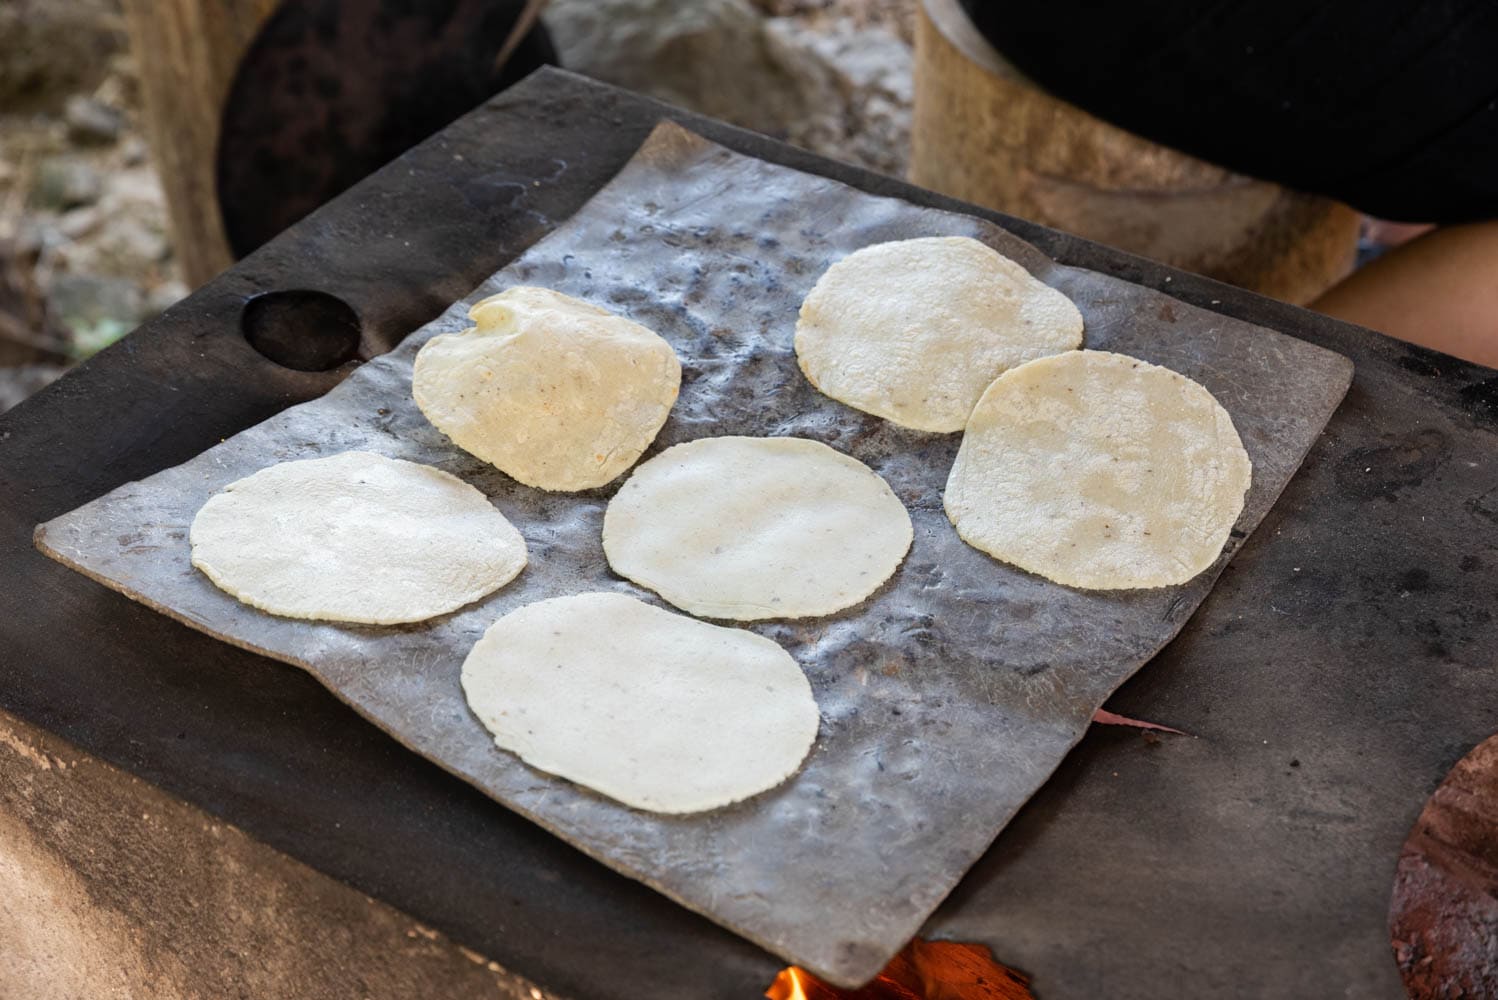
[302,329]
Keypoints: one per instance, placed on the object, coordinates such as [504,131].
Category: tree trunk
[187,52]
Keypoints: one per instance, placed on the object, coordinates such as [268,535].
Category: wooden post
[983,132]
[186,52]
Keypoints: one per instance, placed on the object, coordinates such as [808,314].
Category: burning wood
[924,970]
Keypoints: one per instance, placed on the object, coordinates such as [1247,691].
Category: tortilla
[1100,471]
[555,392]
[648,707]
[748,528]
[914,331]
[355,537]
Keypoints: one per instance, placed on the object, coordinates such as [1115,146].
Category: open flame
[924,970]
[790,985]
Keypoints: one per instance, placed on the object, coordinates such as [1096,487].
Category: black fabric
[1388,105]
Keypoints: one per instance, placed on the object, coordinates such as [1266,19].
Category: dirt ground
[85,251]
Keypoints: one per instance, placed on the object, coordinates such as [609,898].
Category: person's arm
[1439,290]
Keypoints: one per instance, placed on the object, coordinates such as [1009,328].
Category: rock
[38,235]
[64,182]
[130,238]
[49,48]
[91,122]
[866,120]
[133,151]
[28,335]
[129,244]
[841,88]
[78,223]
[870,59]
[897,16]
[82,301]
[30,236]
[713,56]
[164,296]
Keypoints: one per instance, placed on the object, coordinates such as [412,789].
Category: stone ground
[85,254]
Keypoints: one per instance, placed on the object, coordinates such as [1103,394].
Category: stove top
[1344,661]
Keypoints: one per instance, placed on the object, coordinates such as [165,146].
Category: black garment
[1388,105]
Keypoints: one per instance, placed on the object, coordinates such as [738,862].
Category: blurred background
[84,250]
[147,144]
[86,247]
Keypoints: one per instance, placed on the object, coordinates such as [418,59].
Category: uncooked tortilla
[1100,471]
[914,331]
[555,392]
[748,528]
[651,708]
[355,537]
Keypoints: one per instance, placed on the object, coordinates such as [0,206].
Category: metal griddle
[1343,662]
[946,699]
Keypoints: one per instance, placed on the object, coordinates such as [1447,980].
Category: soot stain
[1312,592]
[1444,635]
[1485,505]
[1480,401]
[1433,639]
[1425,362]
[1414,581]
[1383,471]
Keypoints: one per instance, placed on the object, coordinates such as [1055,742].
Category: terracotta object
[1443,919]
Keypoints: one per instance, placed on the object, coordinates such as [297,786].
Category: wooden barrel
[984,133]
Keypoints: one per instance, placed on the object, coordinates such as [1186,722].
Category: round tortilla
[648,707]
[914,331]
[1100,471]
[355,537]
[748,528]
[556,393]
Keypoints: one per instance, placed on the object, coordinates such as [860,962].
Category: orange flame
[924,970]
[788,985]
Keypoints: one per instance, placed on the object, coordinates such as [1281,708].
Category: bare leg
[1439,290]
